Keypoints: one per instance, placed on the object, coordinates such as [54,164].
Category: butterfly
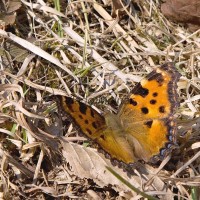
[144,127]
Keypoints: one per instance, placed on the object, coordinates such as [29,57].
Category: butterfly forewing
[87,119]
[148,116]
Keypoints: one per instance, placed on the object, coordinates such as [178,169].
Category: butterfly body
[144,127]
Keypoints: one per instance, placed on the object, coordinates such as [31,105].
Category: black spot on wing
[86,121]
[162,109]
[139,90]
[155,94]
[153,101]
[149,123]
[133,102]
[102,137]
[145,110]
[94,125]
[69,100]
[158,77]
[92,113]
[80,116]
[82,108]
[89,131]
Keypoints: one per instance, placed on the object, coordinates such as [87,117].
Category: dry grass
[84,52]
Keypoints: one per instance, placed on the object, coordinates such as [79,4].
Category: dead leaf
[8,11]
[86,162]
[185,11]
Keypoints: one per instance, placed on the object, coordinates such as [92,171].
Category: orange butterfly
[144,127]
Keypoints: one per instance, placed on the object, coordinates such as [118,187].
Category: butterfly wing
[86,118]
[148,116]
[94,126]
[144,126]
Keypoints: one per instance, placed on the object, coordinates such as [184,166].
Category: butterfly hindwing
[86,118]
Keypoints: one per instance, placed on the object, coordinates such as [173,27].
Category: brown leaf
[13,6]
[86,162]
[9,8]
[185,11]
